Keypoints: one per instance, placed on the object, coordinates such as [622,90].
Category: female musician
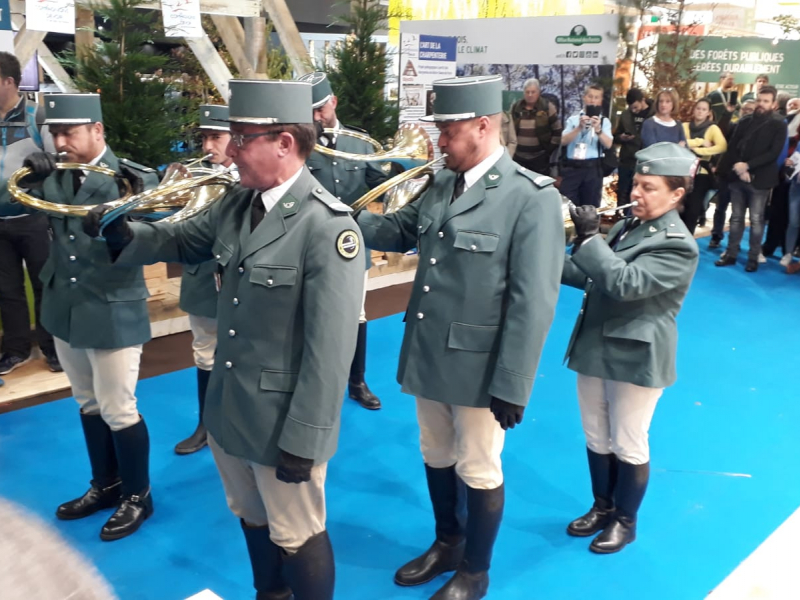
[624,342]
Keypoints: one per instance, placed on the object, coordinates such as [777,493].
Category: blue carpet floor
[724,470]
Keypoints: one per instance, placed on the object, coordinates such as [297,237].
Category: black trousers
[625,187]
[583,185]
[778,217]
[693,205]
[23,238]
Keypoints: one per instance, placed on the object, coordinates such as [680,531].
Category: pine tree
[144,118]
[358,73]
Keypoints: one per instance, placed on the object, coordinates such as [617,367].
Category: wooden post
[254,35]
[84,30]
[212,63]
[232,34]
[289,35]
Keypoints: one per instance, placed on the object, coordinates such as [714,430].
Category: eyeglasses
[238,139]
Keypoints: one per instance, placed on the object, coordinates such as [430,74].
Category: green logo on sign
[578,36]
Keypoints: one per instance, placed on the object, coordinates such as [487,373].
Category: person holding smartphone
[586,135]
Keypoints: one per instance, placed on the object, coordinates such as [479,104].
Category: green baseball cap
[214,116]
[321,88]
[72,109]
[461,98]
[668,159]
[269,102]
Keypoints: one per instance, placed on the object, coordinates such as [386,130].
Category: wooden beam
[212,63]
[289,35]
[84,30]
[55,70]
[26,42]
[255,37]
[232,34]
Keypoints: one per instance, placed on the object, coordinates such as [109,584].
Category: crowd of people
[746,148]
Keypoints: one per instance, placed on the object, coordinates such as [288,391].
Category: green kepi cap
[668,159]
[214,116]
[269,102]
[321,91]
[72,109]
[461,98]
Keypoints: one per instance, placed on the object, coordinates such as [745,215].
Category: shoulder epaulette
[329,200]
[358,129]
[540,181]
[136,166]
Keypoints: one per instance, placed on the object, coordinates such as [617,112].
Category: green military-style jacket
[287,316]
[87,301]
[626,328]
[348,180]
[486,286]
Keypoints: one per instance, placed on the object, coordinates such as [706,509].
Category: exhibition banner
[748,57]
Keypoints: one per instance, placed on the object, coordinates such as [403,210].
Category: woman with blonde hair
[663,126]
[706,140]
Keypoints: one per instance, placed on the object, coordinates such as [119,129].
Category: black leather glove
[118,233]
[132,177]
[293,469]
[586,221]
[42,164]
[507,414]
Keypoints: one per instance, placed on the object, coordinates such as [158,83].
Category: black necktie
[459,187]
[257,212]
[76,181]
[631,223]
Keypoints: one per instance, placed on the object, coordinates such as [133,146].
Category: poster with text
[423,60]
[57,16]
[182,18]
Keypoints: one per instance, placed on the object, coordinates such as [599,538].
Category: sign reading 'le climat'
[57,16]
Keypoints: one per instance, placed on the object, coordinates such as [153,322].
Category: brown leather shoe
[793,268]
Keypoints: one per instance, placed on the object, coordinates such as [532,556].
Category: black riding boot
[357,388]
[631,486]
[133,454]
[310,572]
[447,497]
[105,487]
[266,561]
[198,440]
[484,514]
[603,471]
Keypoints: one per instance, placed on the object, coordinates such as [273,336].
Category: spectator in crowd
[723,99]
[629,137]
[663,126]
[777,212]
[751,168]
[508,134]
[537,127]
[783,103]
[723,197]
[792,172]
[586,135]
[24,237]
[761,81]
[705,139]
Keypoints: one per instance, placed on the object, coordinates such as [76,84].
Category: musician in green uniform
[490,236]
[97,314]
[348,180]
[289,256]
[198,285]
[624,343]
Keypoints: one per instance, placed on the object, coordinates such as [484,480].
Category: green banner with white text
[748,57]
